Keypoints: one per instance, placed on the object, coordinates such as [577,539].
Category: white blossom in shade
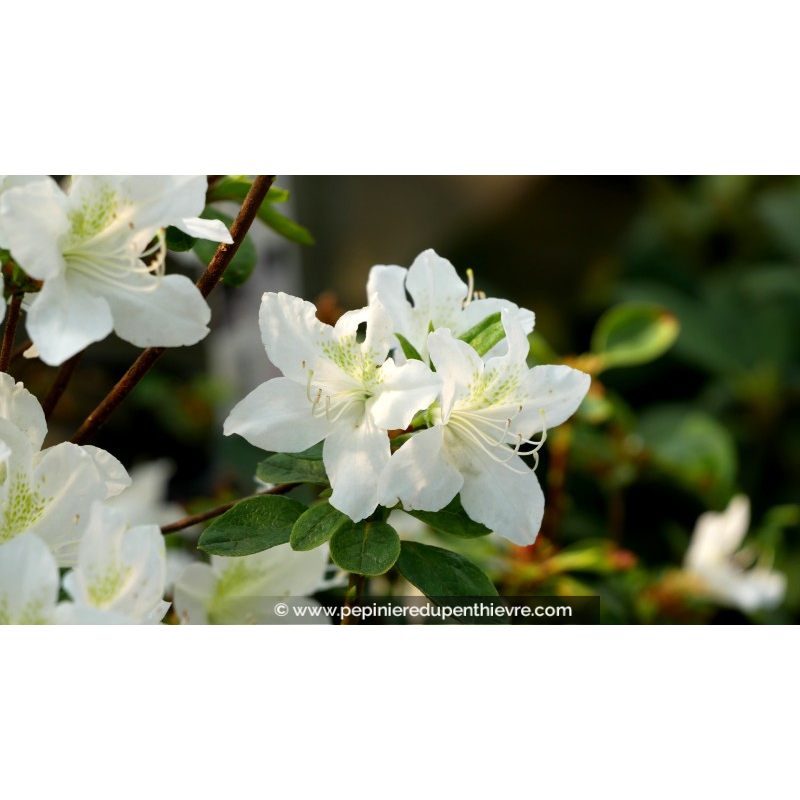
[488,413]
[49,492]
[335,388]
[121,570]
[100,251]
[145,502]
[715,558]
[438,299]
[28,582]
[244,590]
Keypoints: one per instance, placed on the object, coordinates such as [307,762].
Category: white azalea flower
[335,388]
[145,502]
[48,493]
[244,590]
[439,299]
[120,570]
[88,247]
[715,558]
[487,408]
[28,582]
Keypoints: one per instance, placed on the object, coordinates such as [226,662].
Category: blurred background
[704,270]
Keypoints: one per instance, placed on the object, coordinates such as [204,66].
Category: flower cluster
[433,400]
[53,515]
[98,252]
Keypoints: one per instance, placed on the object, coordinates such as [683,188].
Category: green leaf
[251,526]
[315,526]
[243,263]
[693,449]
[284,226]
[633,333]
[452,519]
[236,187]
[306,467]
[178,241]
[366,548]
[439,573]
[486,334]
[408,348]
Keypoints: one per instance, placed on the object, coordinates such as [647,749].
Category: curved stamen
[470,288]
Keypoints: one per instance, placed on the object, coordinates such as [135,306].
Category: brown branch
[10,330]
[62,379]
[208,280]
[187,522]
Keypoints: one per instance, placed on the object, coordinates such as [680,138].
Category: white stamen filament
[462,422]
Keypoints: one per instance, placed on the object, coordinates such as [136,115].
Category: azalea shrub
[430,446]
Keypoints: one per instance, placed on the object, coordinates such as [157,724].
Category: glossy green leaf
[452,519]
[243,263]
[235,188]
[178,241]
[316,526]
[251,526]
[692,448]
[284,226]
[306,467]
[486,334]
[632,334]
[440,573]
[366,548]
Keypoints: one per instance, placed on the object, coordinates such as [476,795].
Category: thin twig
[187,522]
[10,330]
[208,280]
[60,383]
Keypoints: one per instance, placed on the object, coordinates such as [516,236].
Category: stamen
[308,385]
[470,288]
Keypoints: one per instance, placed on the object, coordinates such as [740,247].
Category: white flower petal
[717,536]
[457,363]
[505,498]
[66,482]
[111,471]
[554,393]
[28,582]
[162,200]
[277,416]
[402,392]
[21,408]
[172,314]
[421,474]
[212,229]
[355,454]
[34,224]
[434,286]
[387,285]
[64,318]
[292,334]
[193,593]
[75,614]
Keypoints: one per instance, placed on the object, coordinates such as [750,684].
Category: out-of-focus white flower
[48,493]
[28,582]
[335,388]
[244,590]
[439,299]
[715,558]
[121,570]
[488,412]
[90,248]
[145,502]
